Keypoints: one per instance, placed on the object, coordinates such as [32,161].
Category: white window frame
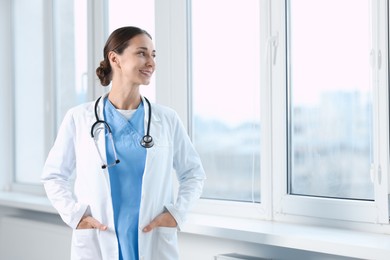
[286,205]
[97,33]
[6,112]
[10,183]
[173,80]
[174,89]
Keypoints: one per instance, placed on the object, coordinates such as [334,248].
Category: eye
[141,53]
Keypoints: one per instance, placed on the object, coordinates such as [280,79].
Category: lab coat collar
[154,117]
[100,109]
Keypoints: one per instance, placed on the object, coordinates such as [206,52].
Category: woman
[120,152]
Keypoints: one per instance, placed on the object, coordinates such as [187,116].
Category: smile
[147,73]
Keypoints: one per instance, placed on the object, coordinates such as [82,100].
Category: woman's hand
[89,222]
[163,220]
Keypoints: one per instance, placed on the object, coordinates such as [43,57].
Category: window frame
[173,40]
[96,16]
[173,81]
[6,111]
[286,205]
[11,184]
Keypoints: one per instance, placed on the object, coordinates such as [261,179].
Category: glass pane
[71,55]
[330,94]
[226,109]
[29,89]
[134,13]
[69,42]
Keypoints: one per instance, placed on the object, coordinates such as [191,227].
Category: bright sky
[330,47]
[330,51]
[226,57]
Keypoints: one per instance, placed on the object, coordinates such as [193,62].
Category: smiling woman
[135,58]
[130,224]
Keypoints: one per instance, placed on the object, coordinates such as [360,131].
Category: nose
[151,62]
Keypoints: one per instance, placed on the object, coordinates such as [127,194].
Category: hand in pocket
[163,220]
[89,222]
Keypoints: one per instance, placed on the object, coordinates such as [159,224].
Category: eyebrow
[145,48]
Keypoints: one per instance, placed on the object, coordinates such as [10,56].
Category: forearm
[62,199]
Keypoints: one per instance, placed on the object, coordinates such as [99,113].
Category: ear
[113,58]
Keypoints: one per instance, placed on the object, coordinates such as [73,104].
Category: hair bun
[104,73]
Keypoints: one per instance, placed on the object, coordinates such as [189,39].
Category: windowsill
[341,242]
[26,201]
[348,243]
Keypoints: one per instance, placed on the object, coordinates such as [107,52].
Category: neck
[125,99]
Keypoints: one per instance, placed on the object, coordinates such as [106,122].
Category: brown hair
[117,42]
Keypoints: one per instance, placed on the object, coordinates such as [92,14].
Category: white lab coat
[74,158]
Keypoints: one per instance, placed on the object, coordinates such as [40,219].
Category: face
[135,66]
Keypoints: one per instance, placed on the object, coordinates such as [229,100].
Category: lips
[147,73]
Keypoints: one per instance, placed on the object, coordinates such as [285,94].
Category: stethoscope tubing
[146,141]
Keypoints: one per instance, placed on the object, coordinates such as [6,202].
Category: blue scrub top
[126,177]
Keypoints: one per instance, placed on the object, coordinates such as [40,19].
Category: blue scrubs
[126,177]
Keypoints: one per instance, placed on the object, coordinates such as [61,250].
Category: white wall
[34,236]
[196,247]
[31,235]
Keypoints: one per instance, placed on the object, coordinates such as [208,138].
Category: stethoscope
[146,141]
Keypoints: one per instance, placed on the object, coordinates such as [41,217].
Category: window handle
[372,172]
[376,61]
[272,43]
[84,83]
[275,43]
[379,59]
[378,174]
[372,58]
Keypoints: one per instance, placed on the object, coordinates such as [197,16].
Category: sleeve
[189,171]
[57,174]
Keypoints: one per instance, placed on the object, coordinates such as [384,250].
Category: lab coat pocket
[85,245]
[167,243]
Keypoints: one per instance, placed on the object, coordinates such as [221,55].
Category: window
[226,97]
[333,125]
[325,155]
[71,55]
[50,76]
[330,99]
[54,69]
[288,109]
[30,85]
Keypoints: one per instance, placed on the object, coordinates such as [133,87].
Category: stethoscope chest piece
[147,141]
